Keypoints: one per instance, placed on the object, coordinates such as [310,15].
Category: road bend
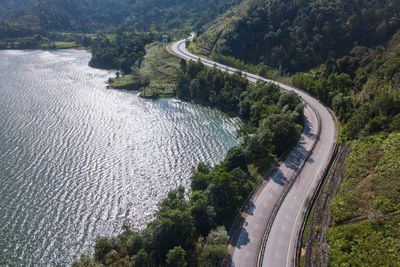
[271,230]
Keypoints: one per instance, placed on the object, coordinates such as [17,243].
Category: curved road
[269,234]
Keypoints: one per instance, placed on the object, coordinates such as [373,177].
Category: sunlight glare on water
[78,160]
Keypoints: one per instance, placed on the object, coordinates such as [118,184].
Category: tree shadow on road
[300,152]
[240,236]
[279,178]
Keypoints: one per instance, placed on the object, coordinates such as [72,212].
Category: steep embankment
[360,80]
[363,88]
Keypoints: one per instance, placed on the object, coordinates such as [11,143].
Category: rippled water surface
[78,160]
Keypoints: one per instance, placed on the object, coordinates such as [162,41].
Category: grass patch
[63,45]
[368,243]
[58,45]
[157,75]
[371,183]
[370,189]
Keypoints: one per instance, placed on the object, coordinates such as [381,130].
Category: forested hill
[296,35]
[363,88]
[90,15]
[8,6]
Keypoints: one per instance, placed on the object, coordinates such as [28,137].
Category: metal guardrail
[266,177]
[286,191]
[273,168]
[270,171]
[296,259]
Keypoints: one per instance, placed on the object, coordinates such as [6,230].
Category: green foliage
[176,257]
[102,248]
[141,259]
[298,35]
[212,251]
[124,51]
[133,81]
[85,261]
[273,117]
[370,187]
[134,243]
[365,244]
[91,15]
[236,158]
[370,184]
[363,88]
[203,213]
[173,224]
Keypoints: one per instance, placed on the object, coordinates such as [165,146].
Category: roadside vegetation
[348,53]
[368,189]
[363,89]
[368,243]
[365,212]
[190,226]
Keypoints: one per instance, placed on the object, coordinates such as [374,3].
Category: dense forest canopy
[123,51]
[91,15]
[363,88]
[11,5]
[296,35]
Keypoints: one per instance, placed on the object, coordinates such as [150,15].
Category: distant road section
[269,234]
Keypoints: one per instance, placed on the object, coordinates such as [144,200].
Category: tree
[101,248]
[222,194]
[236,158]
[134,243]
[173,223]
[203,214]
[141,259]
[176,257]
[84,261]
[213,251]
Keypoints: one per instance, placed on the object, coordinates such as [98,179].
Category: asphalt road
[306,164]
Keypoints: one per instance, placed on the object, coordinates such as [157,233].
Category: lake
[78,160]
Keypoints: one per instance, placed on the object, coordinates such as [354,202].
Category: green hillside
[91,15]
[350,54]
[8,6]
[364,233]
[297,35]
[363,88]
